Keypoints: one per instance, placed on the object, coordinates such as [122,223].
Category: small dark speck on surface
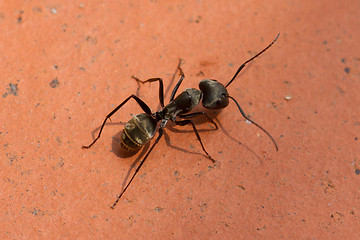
[347,70]
[12,89]
[200,74]
[356,138]
[158,209]
[54,83]
[35,211]
[357,171]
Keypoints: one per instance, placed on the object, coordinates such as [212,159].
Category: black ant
[142,127]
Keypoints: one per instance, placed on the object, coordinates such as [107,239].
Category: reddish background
[66,64]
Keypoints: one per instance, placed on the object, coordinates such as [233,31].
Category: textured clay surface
[66,64]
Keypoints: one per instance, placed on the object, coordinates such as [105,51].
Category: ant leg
[182,75]
[185,122]
[243,65]
[142,104]
[244,115]
[190,115]
[161,131]
[161,87]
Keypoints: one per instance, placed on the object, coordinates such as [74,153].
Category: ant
[142,127]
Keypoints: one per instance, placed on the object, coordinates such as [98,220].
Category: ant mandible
[142,127]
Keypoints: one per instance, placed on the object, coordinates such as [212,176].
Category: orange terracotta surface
[66,64]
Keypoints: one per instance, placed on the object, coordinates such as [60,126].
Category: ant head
[214,94]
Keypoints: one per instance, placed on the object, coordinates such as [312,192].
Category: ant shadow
[123,153]
[201,121]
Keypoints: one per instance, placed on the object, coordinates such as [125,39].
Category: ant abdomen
[138,131]
[214,94]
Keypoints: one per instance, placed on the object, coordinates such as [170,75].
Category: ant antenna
[243,114]
[243,65]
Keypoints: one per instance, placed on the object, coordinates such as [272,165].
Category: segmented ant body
[142,127]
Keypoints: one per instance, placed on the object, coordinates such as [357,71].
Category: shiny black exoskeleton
[142,127]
